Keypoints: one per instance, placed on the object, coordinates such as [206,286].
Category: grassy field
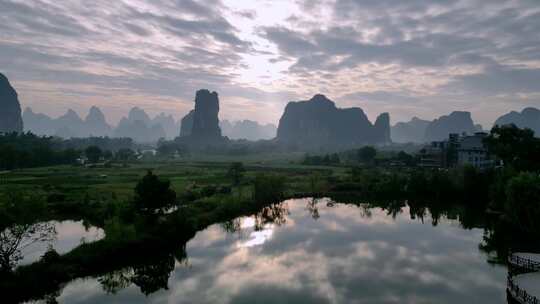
[119,180]
[102,196]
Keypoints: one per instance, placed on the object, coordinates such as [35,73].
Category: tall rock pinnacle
[10,108]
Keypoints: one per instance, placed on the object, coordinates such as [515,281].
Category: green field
[119,180]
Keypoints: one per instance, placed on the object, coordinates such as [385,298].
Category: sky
[409,58]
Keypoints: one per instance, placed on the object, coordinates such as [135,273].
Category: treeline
[104,143]
[366,156]
[26,150]
[319,160]
[229,147]
[512,191]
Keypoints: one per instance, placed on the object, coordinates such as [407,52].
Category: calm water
[322,253]
[67,235]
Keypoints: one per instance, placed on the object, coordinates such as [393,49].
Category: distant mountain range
[419,131]
[411,131]
[310,123]
[528,118]
[137,125]
[247,129]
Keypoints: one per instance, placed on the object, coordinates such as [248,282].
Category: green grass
[75,181]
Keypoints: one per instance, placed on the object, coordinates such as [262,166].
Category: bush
[93,153]
[366,154]
[236,172]
[208,190]
[268,189]
[116,230]
[153,195]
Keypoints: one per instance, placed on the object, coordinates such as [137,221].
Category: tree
[107,154]
[367,154]
[523,201]
[93,153]
[167,148]
[268,189]
[236,172]
[516,147]
[152,195]
[124,154]
[154,275]
[20,227]
[20,236]
[24,150]
[335,159]
[406,158]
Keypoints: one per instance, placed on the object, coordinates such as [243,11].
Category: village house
[457,150]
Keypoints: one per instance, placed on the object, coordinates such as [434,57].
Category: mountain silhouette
[95,123]
[318,123]
[247,129]
[528,118]
[167,122]
[139,127]
[200,127]
[457,122]
[10,108]
[412,131]
[68,125]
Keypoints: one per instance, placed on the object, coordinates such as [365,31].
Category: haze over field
[409,58]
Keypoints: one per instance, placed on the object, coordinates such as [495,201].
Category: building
[433,155]
[472,151]
[457,150]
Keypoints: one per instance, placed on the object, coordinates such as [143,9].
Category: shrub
[153,195]
[268,188]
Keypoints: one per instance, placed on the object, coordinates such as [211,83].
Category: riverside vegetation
[150,209]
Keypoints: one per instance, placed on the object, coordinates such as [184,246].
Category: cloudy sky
[410,58]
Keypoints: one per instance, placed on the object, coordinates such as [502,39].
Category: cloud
[499,80]
[350,254]
[443,53]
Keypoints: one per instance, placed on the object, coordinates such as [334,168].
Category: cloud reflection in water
[344,256]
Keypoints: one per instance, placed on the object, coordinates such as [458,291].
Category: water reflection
[22,244]
[314,251]
[62,237]
[18,239]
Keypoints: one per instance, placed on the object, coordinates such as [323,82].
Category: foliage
[124,154]
[497,187]
[268,188]
[317,183]
[366,154]
[93,153]
[236,172]
[153,196]
[104,143]
[523,201]
[170,148]
[153,275]
[19,228]
[116,229]
[25,150]
[516,147]
[15,207]
[326,160]
[406,158]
